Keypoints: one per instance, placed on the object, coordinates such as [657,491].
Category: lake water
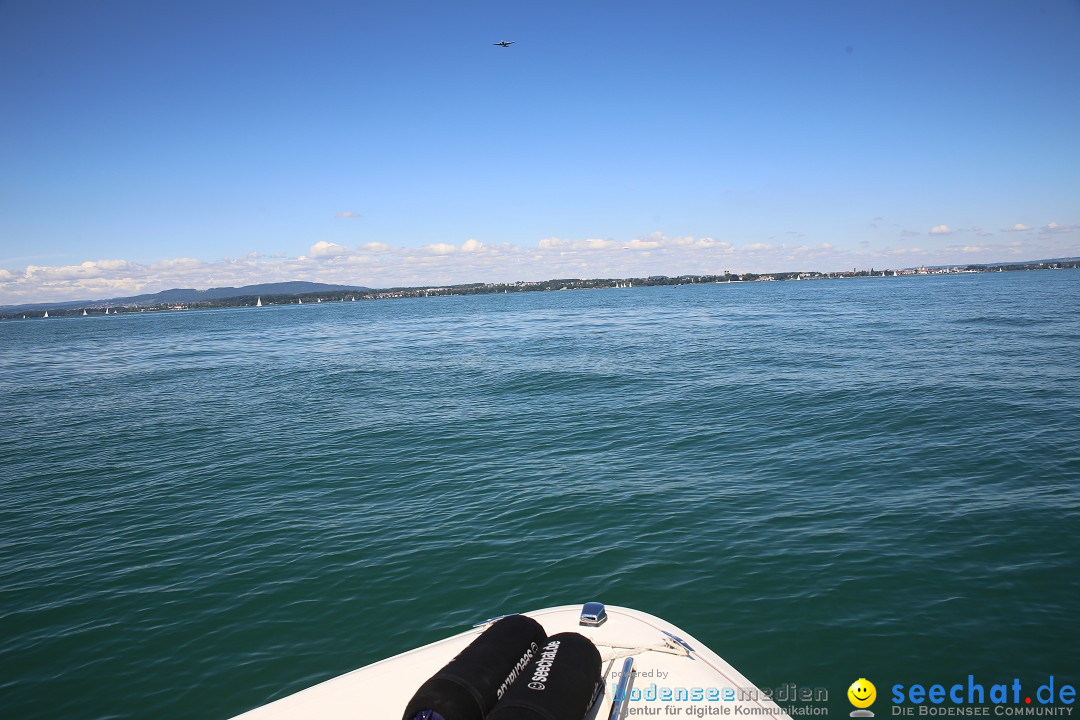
[821,480]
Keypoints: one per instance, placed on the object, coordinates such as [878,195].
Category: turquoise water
[821,480]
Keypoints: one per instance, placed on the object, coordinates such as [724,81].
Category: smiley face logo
[862,693]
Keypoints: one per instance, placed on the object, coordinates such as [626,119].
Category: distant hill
[188,295]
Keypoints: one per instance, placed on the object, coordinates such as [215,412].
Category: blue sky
[148,145]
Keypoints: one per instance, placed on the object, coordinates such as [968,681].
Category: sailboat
[300,301]
[84,313]
[258,302]
[46,313]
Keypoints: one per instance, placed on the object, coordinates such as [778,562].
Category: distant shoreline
[120,307]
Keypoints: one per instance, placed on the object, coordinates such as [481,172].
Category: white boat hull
[671,667]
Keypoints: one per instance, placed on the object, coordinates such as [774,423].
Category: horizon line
[446,286]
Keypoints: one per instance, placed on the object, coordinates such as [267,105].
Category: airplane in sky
[504,43]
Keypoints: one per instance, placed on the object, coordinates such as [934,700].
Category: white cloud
[940,230]
[551,243]
[1055,228]
[712,244]
[974,249]
[441,248]
[758,246]
[1018,227]
[472,245]
[112,264]
[88,270]
[181,263]
[565,245]
[355,260]
[328,249]
[348,215]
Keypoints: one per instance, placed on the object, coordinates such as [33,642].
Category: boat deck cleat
[593,614]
